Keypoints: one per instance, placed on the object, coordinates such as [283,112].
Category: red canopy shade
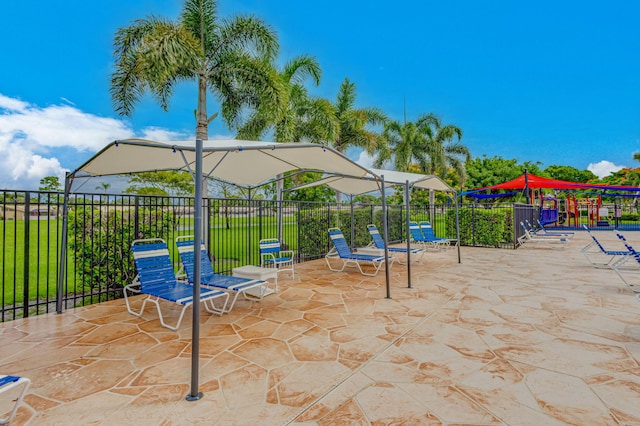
[536,182]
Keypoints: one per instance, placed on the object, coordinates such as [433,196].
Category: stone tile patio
[508,337]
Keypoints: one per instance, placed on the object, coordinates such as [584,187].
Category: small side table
[258,273]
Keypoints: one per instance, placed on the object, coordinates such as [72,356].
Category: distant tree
[104,186]
[50,183]
[484,171]
[161,183]
[353,123]
[366,199]
[623,177]
[232,59]
[636,156]
[406,144]
[570,174]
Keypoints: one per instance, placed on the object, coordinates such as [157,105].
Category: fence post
[25,277]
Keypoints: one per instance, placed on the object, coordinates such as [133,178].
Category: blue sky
[548,81]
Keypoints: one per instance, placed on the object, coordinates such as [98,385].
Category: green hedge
[483,227]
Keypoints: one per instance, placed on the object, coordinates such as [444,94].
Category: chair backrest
[416,232]
[526,231]
[340,242]
[595,240]
[375,236]
[269,245]
[531,227]
[153,263]
[633,251]
[185,248]
[427,230]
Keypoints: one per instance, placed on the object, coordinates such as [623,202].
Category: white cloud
[603,168]
[34,140]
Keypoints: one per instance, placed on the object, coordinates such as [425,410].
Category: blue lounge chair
[273,256]
[598,256]
[628,267]
[250,289]
[342,252]
[157,280]
[427,231]
[418,237]
[378,243]
[7,385]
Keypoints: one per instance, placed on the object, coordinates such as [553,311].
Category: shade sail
[245,163]
[370,182]
[537,182]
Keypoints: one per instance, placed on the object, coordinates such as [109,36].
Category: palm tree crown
[230,58]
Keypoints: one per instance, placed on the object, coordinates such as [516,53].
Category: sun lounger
[430,236]
[342,253]
[598,256]
[378,243]
[542,231]
[529,240]
[10,387]
[418,237]
[628,267]
[249,288]
[157,280]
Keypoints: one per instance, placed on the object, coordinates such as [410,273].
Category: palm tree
[407,144]
[302,118]
[231,59]
[446,151]
[353,122]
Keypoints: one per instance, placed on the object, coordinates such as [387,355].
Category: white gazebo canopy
[245,163]
[372,182]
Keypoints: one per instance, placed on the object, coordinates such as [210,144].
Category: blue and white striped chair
[247,287]
[272,255]
[378,243]
[342,252]
[7,386]
[156,278]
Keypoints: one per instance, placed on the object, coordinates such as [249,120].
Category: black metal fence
[101,228]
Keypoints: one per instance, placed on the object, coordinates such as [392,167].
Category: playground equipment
[571,211]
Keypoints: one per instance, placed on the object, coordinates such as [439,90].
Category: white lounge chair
[157,280]
[529,240]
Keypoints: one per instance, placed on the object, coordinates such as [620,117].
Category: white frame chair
[272,256]
[157,279]
[342,252]
[251,289]
[7,384]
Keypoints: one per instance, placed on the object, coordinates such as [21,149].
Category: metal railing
[101,228]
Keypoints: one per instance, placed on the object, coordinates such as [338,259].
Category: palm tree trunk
[202,125]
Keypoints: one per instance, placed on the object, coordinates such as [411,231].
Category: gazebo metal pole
[63,252]
[386,239]
[194,395]
[407,202]
[455,198]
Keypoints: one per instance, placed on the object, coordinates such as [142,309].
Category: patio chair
[342,252]
[545,232]
[7,386]
[598,256]
[251,289]
[542,231]
[418,237]
[529,240]
[157,280]
[378,243]
[273,256]
[427,231]
[628,267]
